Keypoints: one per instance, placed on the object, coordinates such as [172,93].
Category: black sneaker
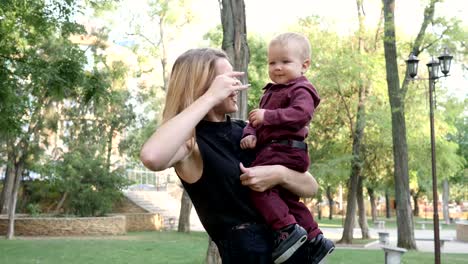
[287,241]
[319,249]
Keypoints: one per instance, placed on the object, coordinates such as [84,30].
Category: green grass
[147,247]
[160,248]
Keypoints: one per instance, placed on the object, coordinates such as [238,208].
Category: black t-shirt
[219,198]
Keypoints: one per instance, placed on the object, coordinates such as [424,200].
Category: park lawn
[139,247]
[160,248]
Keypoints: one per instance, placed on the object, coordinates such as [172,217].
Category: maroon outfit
[288,111]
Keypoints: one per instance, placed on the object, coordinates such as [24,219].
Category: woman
[202,143]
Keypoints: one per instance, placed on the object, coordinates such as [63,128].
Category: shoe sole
[288,253]
[323,260]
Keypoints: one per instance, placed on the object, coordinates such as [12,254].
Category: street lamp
[433,68]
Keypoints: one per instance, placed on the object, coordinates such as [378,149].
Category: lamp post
[433,69]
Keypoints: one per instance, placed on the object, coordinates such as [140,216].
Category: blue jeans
[253,243]
[246,244]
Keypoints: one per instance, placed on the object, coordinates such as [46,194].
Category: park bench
[380,224]
[442,240]
[384,238]
[393,254]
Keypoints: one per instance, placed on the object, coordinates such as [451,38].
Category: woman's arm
[167,145]
[261,178]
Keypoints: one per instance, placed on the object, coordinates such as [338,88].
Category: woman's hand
[225,85]
[260,178]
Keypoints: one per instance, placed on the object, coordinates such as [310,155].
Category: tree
[397,96]
[40,68]
[400,152]
[169,17]
[39,65]
[355,190]
[235,44]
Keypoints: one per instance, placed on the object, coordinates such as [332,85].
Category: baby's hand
[256,117]
[249,142]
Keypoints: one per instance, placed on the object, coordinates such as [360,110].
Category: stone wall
[66,226]
[128,207]
[462,231]
[144,222]
[117,224]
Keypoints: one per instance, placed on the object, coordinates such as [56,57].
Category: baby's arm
[296,115]
[249,142]
[249,138]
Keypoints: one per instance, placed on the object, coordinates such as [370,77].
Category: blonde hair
[191,76]
[288,38]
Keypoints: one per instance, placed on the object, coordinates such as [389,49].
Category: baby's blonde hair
[288,38]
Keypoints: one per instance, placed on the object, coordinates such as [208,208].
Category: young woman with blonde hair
[200,140]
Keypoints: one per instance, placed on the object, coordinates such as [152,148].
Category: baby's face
[285,63]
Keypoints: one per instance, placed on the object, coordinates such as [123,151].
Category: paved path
[424,246]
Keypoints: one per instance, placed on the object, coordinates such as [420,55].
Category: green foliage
[91,187]
[33,209]
[59,111]
[42,192]
[215,37]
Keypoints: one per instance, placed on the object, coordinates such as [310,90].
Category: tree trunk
[8,184]
[319,210]
[362,211]
[235,44]
[184,216]
[415,196]
[347,237]
[371,193]
[18,172]
[400,149]
[330,203]
[387,205]
[356,167]
[212,254]
[110,136]
[445,201]
[162,34]
[357,134]
[60,203]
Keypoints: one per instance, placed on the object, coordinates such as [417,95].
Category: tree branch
[416,49]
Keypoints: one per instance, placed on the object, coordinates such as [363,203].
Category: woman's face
[229,105]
